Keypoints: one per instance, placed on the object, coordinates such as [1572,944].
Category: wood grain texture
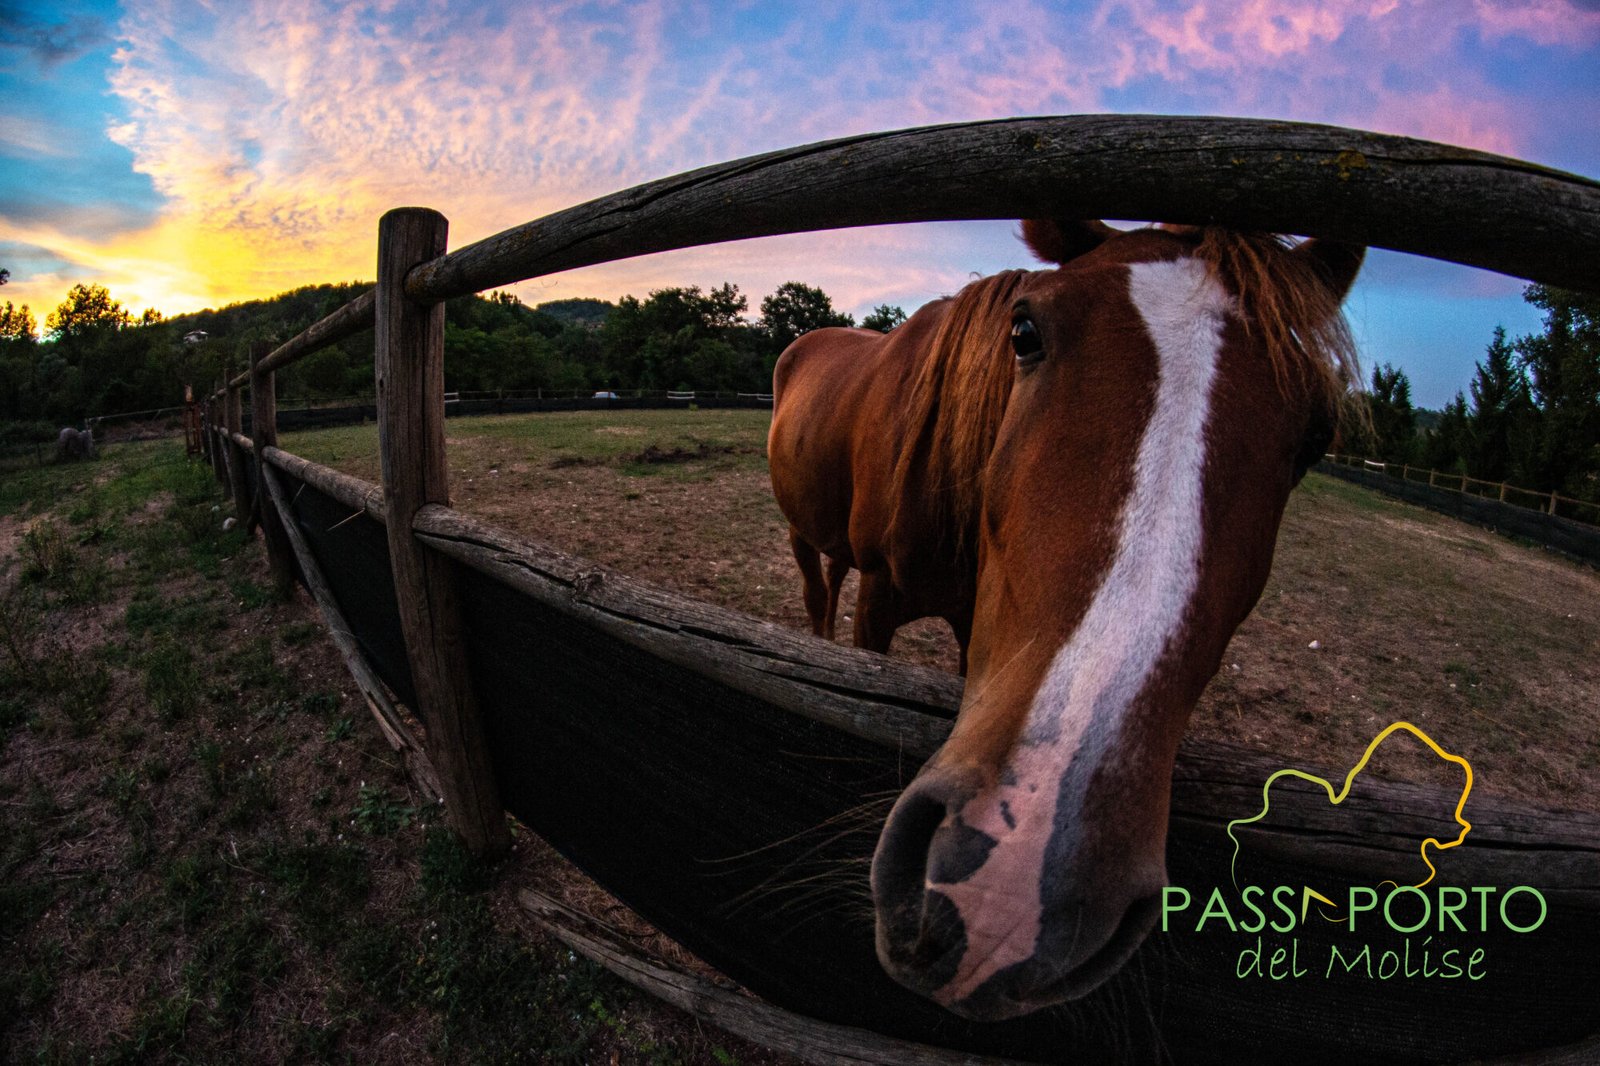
[868,695]
[1323,181]
[264,434]
[409,367]
[358,494]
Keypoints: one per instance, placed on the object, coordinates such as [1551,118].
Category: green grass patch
[171,681]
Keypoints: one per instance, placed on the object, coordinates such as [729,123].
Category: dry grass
[1491,646]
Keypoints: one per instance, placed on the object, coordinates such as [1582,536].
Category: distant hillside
[578,312]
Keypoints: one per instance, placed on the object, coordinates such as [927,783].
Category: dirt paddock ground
[1375,611]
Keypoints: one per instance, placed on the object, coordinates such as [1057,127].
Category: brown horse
[1083,470]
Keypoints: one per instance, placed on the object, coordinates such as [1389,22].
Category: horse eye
[1025,341]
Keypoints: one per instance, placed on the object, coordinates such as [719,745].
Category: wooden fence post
[409,368]
[264,434]
[205,432]
[1503,492]
[219,457]
[1553,498]
[236,475]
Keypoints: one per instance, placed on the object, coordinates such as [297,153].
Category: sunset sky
[188,155]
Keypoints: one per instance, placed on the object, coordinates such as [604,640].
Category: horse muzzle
[992,925]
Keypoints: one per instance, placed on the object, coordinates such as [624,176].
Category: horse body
[1083,469]
[838,484]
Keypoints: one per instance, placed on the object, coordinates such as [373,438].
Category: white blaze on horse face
[1137,612]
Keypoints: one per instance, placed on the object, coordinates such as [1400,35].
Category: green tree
[18,356]
[86,308]
[1393,421]
[17,323]
[1500,412]
[1448,444]
[1562,365]
[883,318]
[658,343]
[796,308]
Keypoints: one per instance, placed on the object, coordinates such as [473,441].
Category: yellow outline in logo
[1266,798]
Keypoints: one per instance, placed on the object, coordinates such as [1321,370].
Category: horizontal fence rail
[1319,181]
[1400,193]
[711,771]
[1586,511]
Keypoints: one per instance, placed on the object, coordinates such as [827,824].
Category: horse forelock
[1288,308]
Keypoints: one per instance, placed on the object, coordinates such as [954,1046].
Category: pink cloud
[279,130]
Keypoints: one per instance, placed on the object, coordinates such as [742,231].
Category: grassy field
[207,853]
[1491,646]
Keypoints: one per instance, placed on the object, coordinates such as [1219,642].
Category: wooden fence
[1551,503]
[710,769]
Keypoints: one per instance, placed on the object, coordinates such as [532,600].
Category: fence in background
[1579,540]
[1551,503]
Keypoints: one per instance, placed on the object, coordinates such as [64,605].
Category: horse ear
[1335,262]
[1060,241]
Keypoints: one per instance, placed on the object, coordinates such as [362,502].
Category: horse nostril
[899,870]
[922,843]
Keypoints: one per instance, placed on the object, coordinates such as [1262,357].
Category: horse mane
[959,393]
[957,400]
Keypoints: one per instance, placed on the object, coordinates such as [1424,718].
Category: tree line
[94,358]
[1529,416]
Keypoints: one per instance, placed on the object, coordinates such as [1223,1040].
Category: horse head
[1163,391]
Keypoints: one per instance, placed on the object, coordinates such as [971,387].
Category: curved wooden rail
[1287,177]
[1399,193]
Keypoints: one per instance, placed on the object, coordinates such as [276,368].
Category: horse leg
[816,592]
[838,570]
[877,615]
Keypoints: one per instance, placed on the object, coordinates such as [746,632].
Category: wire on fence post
[409,368]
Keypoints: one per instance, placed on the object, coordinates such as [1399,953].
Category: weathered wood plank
[868,695]
[347,321]
[358,494]
[409,366]
[722,1006]
[389,718]
[1323,181]
[906,707]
